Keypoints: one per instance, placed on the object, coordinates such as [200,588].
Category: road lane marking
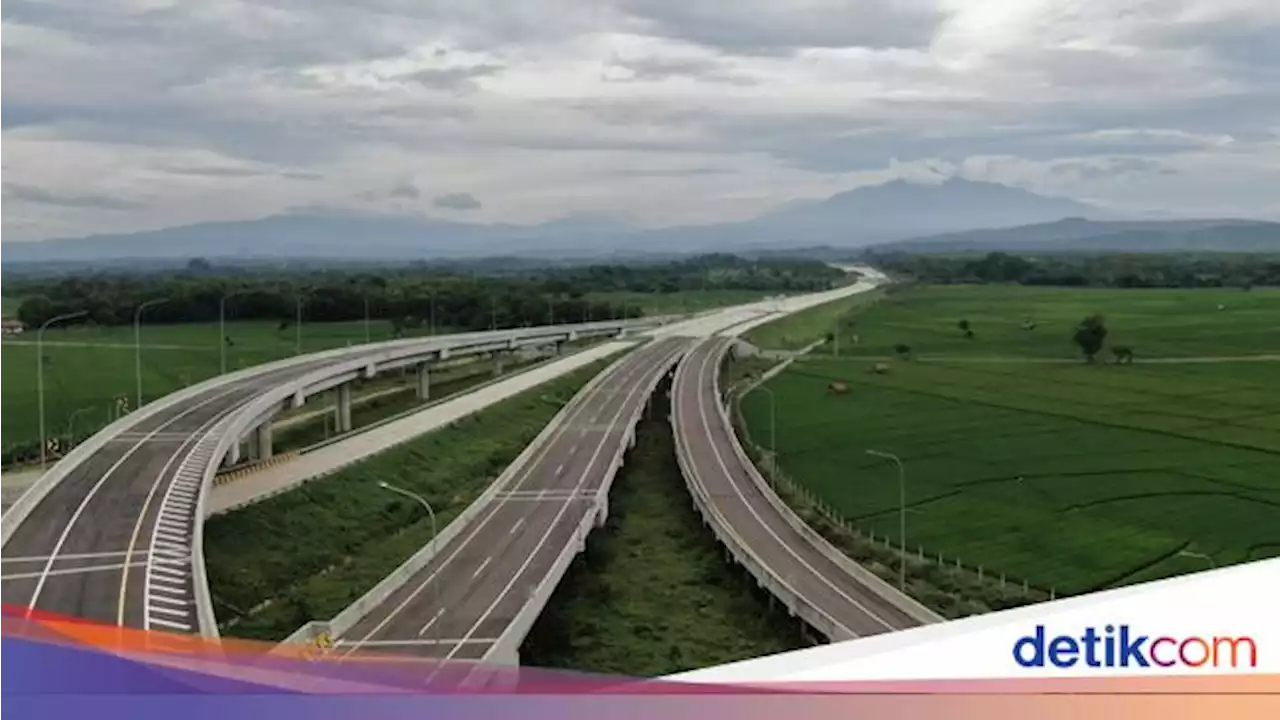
[715,450]
[67,571]
[630,366]
[559,469]
[66,556]
[93,491]
[480,569]
[170,624]
[637,389]
[516,526]
[431,622]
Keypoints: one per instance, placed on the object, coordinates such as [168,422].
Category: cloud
[660,111]
[40,196]
[456,201]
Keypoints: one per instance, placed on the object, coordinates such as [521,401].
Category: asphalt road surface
[112,541]
[460,603]
[700,430]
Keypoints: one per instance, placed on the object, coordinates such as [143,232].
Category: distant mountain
[1081,235]
[856,218]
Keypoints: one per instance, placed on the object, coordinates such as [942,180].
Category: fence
[1010,588]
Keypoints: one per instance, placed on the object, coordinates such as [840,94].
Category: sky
[124,115]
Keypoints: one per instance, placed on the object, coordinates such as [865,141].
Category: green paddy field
[1022,458]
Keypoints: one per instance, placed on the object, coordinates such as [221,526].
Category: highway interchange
[111,541]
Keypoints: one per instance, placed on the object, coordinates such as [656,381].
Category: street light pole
[40,373]
[434,535]
[493,314]
[902,515]
[137,343]
[367,336]
[71,424]
[297,325]
[222,327]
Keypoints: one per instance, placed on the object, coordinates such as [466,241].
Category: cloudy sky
[123,115]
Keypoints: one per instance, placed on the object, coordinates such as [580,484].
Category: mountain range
[873,215]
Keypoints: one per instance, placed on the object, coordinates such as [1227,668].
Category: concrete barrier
[506,651]
[773,581]
[887,592]
[344,620]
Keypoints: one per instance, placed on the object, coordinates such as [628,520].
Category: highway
[85,549]
[702,435]
[468,594]
[112,541]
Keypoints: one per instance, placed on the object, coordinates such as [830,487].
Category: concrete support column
[233,455]
[262,437]
[497,364]
[424,382]
[344,407]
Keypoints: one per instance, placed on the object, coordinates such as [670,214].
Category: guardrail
[767,577]
[506,651]
[378,594]
[909,606]
[255,409]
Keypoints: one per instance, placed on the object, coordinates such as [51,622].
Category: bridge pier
[344,407]
[424,382]
[262,442]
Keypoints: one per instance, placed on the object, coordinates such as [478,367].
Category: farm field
[87,368]
[680,302]
[1073,477]
[808,326]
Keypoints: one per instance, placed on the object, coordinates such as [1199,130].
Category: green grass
[9,305]
[808,326]
[309,553]
[653,594]
[1070,476]
[87,368]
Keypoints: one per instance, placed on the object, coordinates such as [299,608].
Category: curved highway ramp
[815,580]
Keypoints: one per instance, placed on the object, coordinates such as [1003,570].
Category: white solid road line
[65,556]
[525,475]
[67,571]
[702,411]
[636,389]
[93,491]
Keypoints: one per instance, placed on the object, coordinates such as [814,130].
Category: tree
[1090,335]
[35,310]
[963,325]
[903,349]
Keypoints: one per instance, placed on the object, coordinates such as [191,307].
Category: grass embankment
[1072,477]
[309,553]
[806,327]
[653,593]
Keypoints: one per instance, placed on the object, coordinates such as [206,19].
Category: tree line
[406,296]
[1107,270]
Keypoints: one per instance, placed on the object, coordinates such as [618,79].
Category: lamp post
[493,313]
[137,343]
[902,514]
[368,336]
[434,536]
[297,325]
[40,373]
[222,327]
